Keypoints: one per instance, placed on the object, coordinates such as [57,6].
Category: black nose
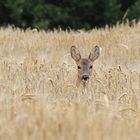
[85,77]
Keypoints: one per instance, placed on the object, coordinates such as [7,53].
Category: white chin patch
[85,81]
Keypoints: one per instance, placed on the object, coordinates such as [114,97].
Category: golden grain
[38,96]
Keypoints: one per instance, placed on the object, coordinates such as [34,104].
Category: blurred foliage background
[75,14]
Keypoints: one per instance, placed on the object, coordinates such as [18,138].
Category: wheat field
[39,99]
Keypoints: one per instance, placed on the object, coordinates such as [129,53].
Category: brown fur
[84,65]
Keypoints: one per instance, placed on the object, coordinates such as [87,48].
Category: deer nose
[85,77]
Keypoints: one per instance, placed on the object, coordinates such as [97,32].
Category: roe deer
[84,65]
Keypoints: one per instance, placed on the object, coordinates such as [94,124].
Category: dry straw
[38,94]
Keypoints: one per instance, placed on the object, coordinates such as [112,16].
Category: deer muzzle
[85,77]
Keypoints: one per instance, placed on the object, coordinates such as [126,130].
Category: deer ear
[94,54]
[75,54]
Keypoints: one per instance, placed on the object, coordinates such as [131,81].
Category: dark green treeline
[75,14]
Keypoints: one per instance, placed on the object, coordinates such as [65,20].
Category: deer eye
[90,67]
[79,67]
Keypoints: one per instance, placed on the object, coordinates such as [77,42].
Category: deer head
[84,65]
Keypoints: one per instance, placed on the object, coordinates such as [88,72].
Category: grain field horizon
[39,99]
